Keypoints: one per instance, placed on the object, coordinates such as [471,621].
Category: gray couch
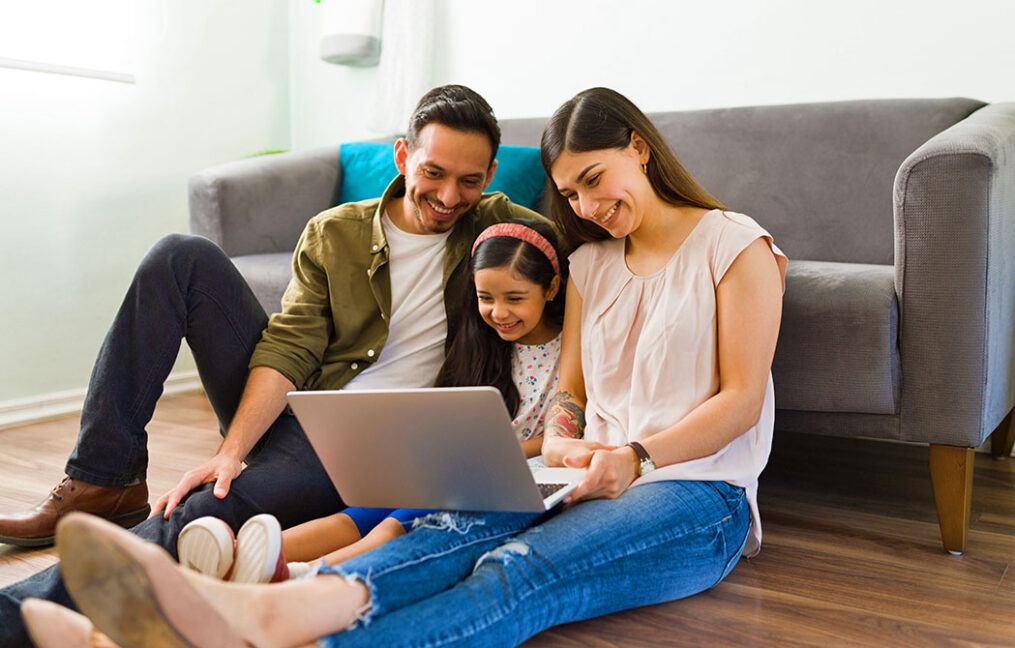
[898,217]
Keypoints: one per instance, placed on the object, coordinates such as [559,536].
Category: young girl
[509,338]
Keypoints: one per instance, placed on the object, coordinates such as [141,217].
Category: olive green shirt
[336,308]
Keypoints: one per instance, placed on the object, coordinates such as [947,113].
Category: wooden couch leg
[1003,438]
[951,474]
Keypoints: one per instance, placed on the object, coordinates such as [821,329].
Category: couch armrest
[261,204]
[955,277]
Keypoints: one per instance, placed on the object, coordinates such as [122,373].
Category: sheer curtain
[405,70]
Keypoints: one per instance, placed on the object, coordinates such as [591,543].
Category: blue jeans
[184,288]
[498,579]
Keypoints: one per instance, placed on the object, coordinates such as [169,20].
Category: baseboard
[49,406]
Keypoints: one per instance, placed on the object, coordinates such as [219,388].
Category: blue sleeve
[366,518]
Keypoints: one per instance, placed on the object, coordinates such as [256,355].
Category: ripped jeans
[496,579]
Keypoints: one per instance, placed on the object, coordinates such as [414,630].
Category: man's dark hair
[458,107]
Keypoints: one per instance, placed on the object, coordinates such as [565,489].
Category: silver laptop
[447,448]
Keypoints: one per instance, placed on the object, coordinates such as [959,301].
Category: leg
[316,538]
[657,542]
[387,530]
[285,479]
[46,584]
[110,571]
[376,527]
[185,287]
[951,475]
[1002,439]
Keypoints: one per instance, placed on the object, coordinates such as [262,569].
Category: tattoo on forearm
[566,417]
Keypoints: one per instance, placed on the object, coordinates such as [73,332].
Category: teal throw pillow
[369,167]
[367,170]
[519,175]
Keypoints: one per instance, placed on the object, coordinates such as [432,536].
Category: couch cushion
[267,275]
[837,349]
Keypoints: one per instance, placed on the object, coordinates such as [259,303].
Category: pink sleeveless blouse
[649,349]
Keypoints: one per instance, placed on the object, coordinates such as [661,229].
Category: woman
[670,327]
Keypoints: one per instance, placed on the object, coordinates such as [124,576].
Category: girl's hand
[609,471]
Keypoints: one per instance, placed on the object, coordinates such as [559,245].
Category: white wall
[528,56]
[93,172]
[329,103]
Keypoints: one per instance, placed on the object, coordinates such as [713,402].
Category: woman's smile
[608,218]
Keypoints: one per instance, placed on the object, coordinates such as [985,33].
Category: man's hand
[221,469]
[609,471]
[262,401]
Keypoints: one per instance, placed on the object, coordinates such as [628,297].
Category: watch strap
[639,450]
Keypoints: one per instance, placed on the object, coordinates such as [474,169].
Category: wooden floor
[851,557]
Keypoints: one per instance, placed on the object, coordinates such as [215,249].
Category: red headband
[524,233]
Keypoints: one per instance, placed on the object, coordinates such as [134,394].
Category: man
[375,286]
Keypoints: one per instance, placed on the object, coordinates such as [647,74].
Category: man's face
[445,176]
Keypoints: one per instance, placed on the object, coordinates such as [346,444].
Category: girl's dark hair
[598,119]
[478,356]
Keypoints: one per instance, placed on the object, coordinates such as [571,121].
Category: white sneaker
[206,545]
[258,556]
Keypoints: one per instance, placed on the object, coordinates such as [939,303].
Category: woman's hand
[556,449]
[609,471]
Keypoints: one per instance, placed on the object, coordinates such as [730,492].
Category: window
[80,38]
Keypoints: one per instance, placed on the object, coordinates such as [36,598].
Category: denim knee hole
[503,553]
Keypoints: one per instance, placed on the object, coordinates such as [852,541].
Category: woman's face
[607,187]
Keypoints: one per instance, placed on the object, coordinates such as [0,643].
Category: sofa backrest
[818,176]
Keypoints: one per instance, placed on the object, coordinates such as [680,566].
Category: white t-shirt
[414,352]
[534,368]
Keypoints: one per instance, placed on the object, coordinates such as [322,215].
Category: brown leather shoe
[124,505]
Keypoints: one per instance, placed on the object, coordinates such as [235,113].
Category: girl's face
[607,187]
[513,306]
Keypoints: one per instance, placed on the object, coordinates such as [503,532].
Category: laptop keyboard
[549,489]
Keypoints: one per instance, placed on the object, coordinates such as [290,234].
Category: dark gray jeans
[185,288]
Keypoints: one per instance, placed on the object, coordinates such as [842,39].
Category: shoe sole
[127,520]
[258,545]
[133,591]
[206,546]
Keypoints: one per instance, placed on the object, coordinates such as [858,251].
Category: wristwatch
[647,465]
